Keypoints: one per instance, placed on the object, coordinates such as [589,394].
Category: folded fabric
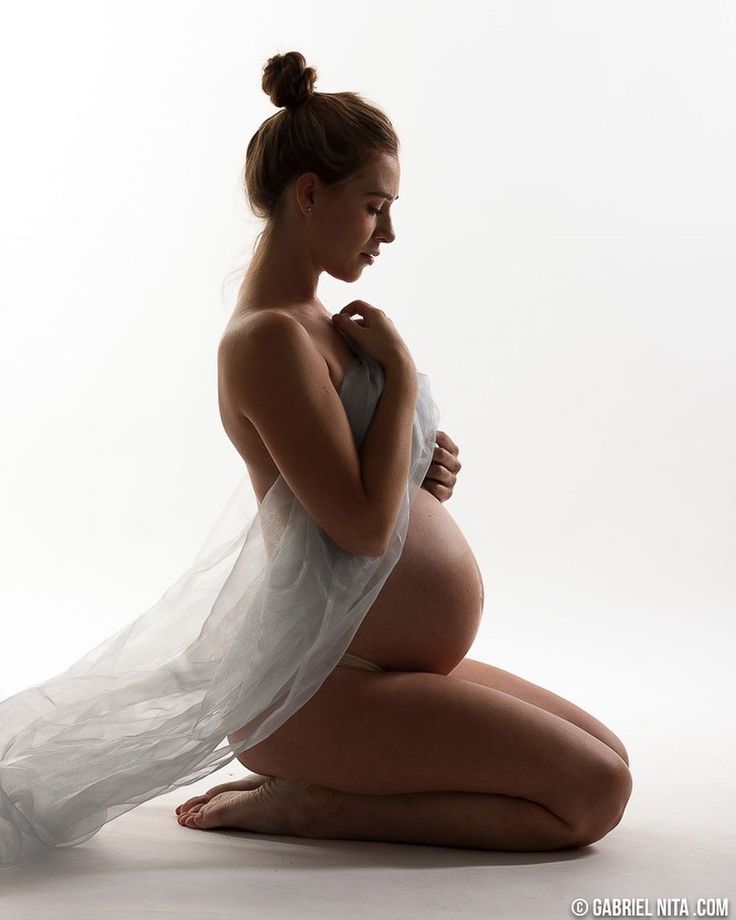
[238,643]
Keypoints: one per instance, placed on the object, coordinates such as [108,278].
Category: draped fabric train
[238,643]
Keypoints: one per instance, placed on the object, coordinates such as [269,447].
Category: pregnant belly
[429,609]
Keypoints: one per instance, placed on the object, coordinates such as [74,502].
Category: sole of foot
[274,806]
[247,783]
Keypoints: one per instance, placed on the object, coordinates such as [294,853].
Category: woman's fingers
[447,459]
[440,492]
[446,442]
[439,473]
[441,476]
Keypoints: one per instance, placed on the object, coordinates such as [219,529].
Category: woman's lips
[366,256]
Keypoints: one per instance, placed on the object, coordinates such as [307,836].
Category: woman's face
[355,218]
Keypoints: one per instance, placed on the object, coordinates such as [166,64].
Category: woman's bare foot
[248,782]
[274,806]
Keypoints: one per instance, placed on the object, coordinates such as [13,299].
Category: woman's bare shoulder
[241,323]
[245,328]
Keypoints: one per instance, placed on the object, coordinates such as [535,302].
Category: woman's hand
[442,473]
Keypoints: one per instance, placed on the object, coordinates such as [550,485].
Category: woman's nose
[386,234]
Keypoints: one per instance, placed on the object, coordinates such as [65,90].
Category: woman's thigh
[488,675]
[404,731]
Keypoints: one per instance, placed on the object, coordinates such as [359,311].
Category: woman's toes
[209,815]
[233,808]
[185,806]
[186,817]
[207,818]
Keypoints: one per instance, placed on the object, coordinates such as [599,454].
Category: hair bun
[287,80]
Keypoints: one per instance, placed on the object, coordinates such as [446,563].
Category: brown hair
[331,134]
[334,135]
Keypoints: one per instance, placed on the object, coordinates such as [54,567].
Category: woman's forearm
[385,454]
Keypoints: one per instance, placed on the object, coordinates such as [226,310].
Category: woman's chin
[350,272]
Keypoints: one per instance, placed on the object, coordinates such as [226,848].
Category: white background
[562,271]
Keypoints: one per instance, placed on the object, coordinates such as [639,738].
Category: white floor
[676,841]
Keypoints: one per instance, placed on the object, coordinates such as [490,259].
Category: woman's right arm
[277,378]
[385,455]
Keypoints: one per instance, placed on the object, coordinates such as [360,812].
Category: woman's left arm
[442,473]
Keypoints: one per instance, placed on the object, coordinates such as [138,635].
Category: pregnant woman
[321,640]
[406,739]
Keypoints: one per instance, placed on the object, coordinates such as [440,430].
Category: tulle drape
[237,644]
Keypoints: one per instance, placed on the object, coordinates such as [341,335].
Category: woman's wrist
[401,367]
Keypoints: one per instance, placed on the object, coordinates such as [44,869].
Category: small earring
[309,209]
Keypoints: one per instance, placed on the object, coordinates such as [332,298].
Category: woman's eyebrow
[384,195]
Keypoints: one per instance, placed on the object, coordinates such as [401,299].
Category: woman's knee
[604,803]
[616,744]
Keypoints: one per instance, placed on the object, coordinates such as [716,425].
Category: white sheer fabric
[238,643]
